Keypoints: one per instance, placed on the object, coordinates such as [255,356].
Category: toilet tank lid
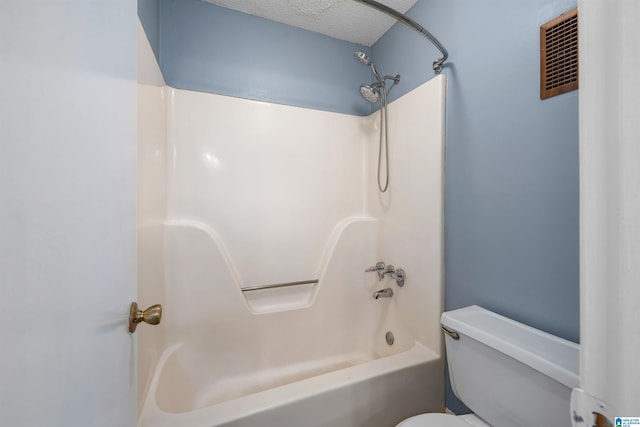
[553,356]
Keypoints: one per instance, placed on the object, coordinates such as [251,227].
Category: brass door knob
[151,315]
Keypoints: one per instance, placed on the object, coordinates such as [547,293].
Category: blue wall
[149,14]
[212,49]
[511,231]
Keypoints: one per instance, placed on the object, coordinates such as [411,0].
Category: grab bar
[278,285]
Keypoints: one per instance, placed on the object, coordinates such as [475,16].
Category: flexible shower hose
[383,124]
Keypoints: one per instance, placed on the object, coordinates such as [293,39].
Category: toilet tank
[510,374]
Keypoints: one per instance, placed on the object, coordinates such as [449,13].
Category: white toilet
[509,374]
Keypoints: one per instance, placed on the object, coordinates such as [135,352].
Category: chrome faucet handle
[399,276]
[390,269]
[379,268]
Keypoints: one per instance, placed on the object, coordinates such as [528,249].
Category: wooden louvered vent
[559,55]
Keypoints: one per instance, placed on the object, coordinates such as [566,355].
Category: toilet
[509,374]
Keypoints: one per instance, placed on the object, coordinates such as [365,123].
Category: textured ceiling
[342,19]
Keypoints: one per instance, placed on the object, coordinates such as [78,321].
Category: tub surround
[272,181]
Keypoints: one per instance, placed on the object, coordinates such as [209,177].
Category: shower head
[370,93]
[362,57]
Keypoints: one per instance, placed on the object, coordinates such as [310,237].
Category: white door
[609,207]
[67,212]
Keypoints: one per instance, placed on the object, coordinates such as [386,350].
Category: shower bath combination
[377,92]
[323,340]
[335,333]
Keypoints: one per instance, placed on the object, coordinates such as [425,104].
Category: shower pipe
[437,64]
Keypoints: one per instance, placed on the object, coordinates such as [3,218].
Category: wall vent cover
[559,55]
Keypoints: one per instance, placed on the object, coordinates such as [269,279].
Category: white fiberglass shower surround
[237,195]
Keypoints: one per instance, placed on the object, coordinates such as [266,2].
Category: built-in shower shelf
[270,298]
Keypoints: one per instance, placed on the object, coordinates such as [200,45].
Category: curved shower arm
[437,64]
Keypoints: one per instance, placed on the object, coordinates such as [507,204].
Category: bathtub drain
[389,337]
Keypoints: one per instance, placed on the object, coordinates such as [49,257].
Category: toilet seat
[433,420]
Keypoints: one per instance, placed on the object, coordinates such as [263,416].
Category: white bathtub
[318,359]
[379,392]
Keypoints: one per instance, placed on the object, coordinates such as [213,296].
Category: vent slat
[559,55]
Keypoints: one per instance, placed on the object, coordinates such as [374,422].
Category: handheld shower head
[362,57]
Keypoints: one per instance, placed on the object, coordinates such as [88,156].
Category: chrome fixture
[369,93]
[437,64]
[390,269]
[373,93]
[396,274]
[452,334]
[378,268]
[151,316]
[383,293]
[362,57]
[389,338]
[399,276]
[278,285]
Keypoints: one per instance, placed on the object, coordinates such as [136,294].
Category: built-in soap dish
[280,297]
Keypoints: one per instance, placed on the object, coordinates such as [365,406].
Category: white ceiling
[342,19]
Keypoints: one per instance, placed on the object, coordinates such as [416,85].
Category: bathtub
[317,356]
[379,392]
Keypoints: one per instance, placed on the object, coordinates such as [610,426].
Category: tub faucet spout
[383,293]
